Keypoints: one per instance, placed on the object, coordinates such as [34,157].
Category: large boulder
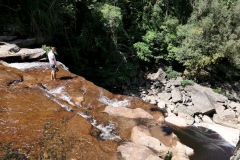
[12,53]
[202,103]
[32,54]
[141,135]
[198,88]
[176,95]
[159,75]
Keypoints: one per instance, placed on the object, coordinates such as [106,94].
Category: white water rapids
[107,131]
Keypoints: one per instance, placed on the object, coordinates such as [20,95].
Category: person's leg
[54,75]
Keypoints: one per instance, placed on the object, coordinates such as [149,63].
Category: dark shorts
[54,68]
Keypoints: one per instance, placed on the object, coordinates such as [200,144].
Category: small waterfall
[114,102]
[206,143]
[30,65]
[107,131]
[34,65]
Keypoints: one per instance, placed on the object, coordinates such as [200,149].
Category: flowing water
[207,144]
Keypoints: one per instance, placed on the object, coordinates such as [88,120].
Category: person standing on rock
[53,64]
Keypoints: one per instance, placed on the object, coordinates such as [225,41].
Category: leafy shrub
[168,156]
[221,91]
[143,51]
[186,82]
[218,90]
[46,48]
[172,73]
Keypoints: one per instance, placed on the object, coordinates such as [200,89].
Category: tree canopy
[110,40]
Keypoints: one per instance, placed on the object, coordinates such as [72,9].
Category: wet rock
[236,154]
[231,135]
[77,100]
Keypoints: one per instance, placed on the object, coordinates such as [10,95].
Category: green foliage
[186,82]
[46,48]
[221,91]
[168,156]
[40,18]
[218,90]
[200,35]
[210,37]
[111,15]
[143,51]
[172,73]
[115,76]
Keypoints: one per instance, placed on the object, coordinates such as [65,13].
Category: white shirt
[51,57]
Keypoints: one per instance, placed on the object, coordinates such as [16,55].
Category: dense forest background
[111,41]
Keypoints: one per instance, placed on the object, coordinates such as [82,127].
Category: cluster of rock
[192,104]
[143,143]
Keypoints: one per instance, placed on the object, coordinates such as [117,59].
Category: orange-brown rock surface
[63,119]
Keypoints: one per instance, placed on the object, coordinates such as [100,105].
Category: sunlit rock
[225,120]
[189,151]
[31,54]
[159,75]
[179,151]
[141,136]
[176,95]
[12,53]
[127,112]
[132,151]
[198,88]
[176,120]
[207,119]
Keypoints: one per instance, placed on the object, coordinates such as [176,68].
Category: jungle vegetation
[109,41]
